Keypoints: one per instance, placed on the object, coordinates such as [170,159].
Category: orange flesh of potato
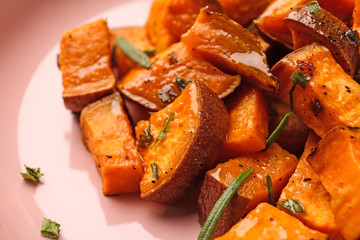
[276,162]
[189,148]
[231,48]
[137,37]
[271,21]
[155,26]
[108,135]
[268,222]
[145,85]
[242,11]
[330,98]
[305,186]
[85,65]
[325,28]
[336,160]
[249,122]
[181,14]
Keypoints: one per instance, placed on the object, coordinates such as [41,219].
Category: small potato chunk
[156,87]
[275,161]
[330,98]
[305,186]
[108,134]
[249,122]
[271,21]
[336,160]
[323,27]
[85,65]
[268,222]
[138,38]
[230,47]
[189,147]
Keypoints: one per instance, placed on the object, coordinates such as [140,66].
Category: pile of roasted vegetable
[285,139]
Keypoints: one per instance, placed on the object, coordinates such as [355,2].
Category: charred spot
[240,165]
[307,179]
[99,166]
[108,156]
[153,181]
[306,68]
[172,58]
[325,93]
[315,106]
[127,157]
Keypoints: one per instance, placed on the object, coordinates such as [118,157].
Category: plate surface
[38,131]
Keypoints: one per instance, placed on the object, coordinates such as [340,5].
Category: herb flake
[145,138]
[139,57]
[292,205]
[154,170]
[49,228]
[270,189]
[298,78]
[181,84]
[220,205]
[32,174]
[313,7]
[164,129]
[276,133]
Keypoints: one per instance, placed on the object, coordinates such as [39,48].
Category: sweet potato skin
[107,133]
[267,222]
[137,37]
[145,85]
[325,28]
[336,161]
[276,162]
[85,65]
[249,122]
[204,142]
[329,99]
[213,32]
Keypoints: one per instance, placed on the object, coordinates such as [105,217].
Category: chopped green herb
[32,174]
[150,51]
[49,228]
[270,189]
[293,206]
[167,94]
[145,138]
[251,27]
[276,133]
[353,36]
[154,170]
[298,78]
[220,205]
[139,57]
[181,84]
[313,7]
[164,129]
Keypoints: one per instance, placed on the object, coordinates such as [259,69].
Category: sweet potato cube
[329,99]
[336,160]
[108,135]
[271,21]
[230,47]
[156,87]
[268,222]
[249,122]
[138,38]
[276,162]
[85,65]
[305,186]
[196,124]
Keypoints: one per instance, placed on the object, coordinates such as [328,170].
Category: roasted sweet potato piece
[242,11]
[307,27]
[305,186]
[181,14]
[294,134]
[271,21]
[155,27]
[249,122]
[85,65]
[310,144]
[276,162]
[107,133]
[155,87]
[330,98]
[138,38]
[189,147]
[336,160]
[268,222]
[231,48]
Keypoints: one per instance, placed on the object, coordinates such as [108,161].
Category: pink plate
[38,131]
